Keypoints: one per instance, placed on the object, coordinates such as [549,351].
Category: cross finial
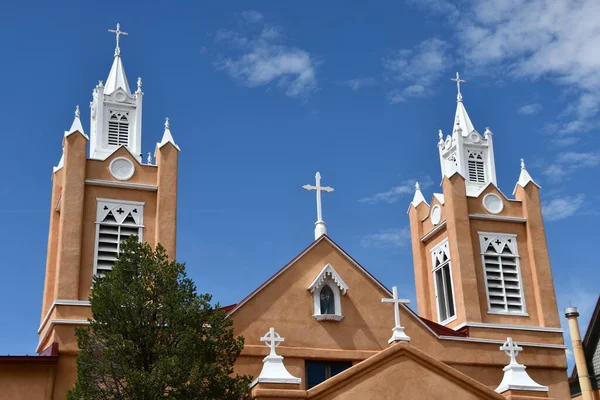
[511,349]
[398,331]
[417,186]
[458,82]
[167,123]
[272,339]
[118,32]
[320,228]
[522,163]
[77,111]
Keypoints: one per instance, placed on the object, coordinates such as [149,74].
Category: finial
[522,163]
[440,134]
[167,123]
[100,83]
[139,84]
[458,82]
[417,186]
[149,159]
[118,33]
[77,111]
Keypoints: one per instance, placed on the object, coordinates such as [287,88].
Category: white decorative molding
[121,168]
[498,218]
[515,377]
[126,185]
[60,302]
[494,341]
[493,203]
[59,322]
[328,317]
[439,197]
[505,326]
[440,260]
[273,370]
[432,232]
[328,272]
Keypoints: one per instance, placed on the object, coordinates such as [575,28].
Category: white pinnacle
[418,198]
[320,228]
[515,377]
[273,370]
[116,77]
[398,331]
[76,125]
[167,136]
[524,177]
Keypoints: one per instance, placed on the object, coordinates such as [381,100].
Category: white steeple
[524,177]
[167,136]
[116,113]
[466,151]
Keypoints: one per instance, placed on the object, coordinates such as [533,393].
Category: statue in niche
[327,300]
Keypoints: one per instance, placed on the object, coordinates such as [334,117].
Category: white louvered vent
[118,128]
[502,273]
[115,222]
[476,167]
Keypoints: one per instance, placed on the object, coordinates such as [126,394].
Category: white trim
[127,185]
[322,277]
[443,245]
[60,302]
[515,249]
[58,203]
[337,301]
[132,172]
[328,317]
[514,327]
[60,322]
[433,231]
[498,218]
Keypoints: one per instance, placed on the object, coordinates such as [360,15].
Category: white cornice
[328,272]
[513,327]
[494,341]
[60,302]
[498,218]
[60,322]
[126,185]
[432,232]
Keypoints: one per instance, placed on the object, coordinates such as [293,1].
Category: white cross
[511,349]
[319,189]
[398,331]
[272,340]
[458,81]
[118,33]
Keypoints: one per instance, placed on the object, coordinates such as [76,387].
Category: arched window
[327,300]
[476,167]
[118,128]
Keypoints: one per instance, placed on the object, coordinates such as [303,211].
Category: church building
[485,326]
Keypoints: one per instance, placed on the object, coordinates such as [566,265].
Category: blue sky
[262,98]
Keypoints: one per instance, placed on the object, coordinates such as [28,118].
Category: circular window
[436,214]
[493,203]
[121,168]
[120,97]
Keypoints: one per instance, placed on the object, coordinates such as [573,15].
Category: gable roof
[590,346]
[402,349]
[435,329]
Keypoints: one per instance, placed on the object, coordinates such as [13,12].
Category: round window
[436,214]
[121,168]
[493,203]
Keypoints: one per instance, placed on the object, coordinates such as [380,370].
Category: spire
[418,198]
[117,78]
[167,137]
[461,118]
[524,177]
[76,125]
[320,228]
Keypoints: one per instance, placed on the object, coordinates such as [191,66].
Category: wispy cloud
[358,83]
[389,238]
[530,109]
[259,56]
[415,70]
[562,207]
[397,192]
[568,162]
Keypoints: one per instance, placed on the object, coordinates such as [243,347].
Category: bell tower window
[442,276]
[118,128]
[476,167]
[115,221]
[502,273]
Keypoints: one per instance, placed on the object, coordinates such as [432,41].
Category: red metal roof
[48,356]
[442,330]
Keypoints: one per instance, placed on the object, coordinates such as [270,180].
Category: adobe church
[485,326]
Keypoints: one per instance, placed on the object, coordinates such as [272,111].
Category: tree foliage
[153,337]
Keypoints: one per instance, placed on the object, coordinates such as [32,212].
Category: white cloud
[261,58]
[534,39]
[530,109]
[415,70]
[358,83]
[390,238]
[562,207]
[568,162]
[397,192]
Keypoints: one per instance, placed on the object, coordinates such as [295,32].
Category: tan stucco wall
[26,381]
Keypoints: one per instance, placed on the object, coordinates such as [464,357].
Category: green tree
[153,337]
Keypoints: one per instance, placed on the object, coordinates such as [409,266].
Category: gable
[510,208]
[401,371]
[285,303]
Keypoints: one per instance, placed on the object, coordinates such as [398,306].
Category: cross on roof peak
[272,339]
[511,349]
[398,331]
[118,32]
[458,82]
[320,228]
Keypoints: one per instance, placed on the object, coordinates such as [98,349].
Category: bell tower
[480,258]
[99,201]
